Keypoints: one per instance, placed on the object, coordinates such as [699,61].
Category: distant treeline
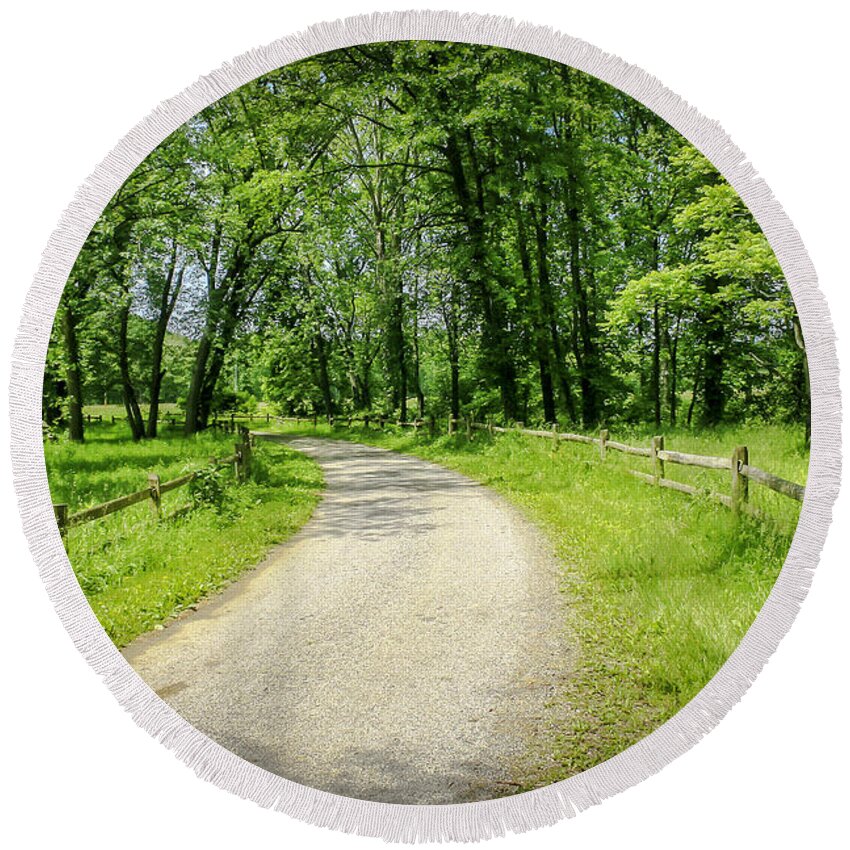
[449,227]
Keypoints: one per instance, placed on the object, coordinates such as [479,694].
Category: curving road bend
[401,647]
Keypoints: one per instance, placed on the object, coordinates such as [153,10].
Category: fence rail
[240,460]
[742,473]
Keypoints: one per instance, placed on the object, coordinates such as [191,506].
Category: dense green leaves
[429,227]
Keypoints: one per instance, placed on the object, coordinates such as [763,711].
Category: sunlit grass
[137,570]
[660,586]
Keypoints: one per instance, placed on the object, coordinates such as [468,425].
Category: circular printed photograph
[426,422]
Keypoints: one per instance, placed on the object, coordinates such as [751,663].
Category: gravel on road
[404,646]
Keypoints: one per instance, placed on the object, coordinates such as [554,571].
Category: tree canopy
[424,227]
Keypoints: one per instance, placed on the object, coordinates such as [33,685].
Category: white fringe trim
[469,821]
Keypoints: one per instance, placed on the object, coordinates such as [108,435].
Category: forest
[423,228]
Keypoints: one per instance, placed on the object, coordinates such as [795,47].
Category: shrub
[207,488]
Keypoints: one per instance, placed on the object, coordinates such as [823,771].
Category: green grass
[660,586]
[120,412]
[137,570]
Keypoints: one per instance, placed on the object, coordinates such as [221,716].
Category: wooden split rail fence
[240,460]
[367,421]
[741,472]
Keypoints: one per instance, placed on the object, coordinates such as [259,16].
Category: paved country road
[401,647]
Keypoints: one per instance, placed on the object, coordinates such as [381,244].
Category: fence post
[657,464]
[740,483]
[555,441]
[349,421]
[451,425]
[237,463]
[468,427]
[603,443]
[246,454]
[490,425]
[156,494]
[61,514]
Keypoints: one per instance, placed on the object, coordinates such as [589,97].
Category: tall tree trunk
[195,419]
[557,363]
[168,301]
[656,364]
[128,391]
[157,376]
[673,387]
[454,370]
[323,378]
[451,318]
[586,349]
[193,422]
[497,356]
[694,393]
[539,330]
[804,403]
[714,362]
[417,371]
[73,374]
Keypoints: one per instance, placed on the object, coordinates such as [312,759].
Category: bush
[207,488]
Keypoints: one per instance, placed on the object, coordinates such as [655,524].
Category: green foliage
[438,226]
[207,488]
[137,571]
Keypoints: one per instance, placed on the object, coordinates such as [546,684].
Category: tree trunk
[417,373]
[193,399]
[539,330]
[694,393]
[804,403]
[323,378]
[168,301]
[454,369]
[714,362]
[585,350]
[155,389]
[656,364]
[497,357]
[73,375]
[673,389]
[557,364]
[128,391]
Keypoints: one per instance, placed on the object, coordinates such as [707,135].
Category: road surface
[401,647]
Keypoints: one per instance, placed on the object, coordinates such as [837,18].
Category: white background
[76,77]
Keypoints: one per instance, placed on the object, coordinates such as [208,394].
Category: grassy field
[137,571]
[661,586]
